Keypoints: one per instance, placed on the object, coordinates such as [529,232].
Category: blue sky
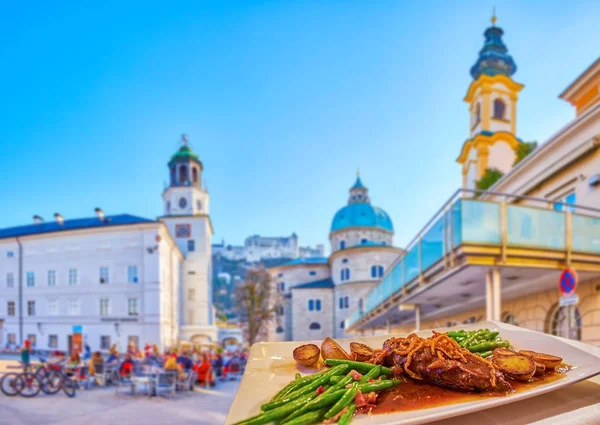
[282,100]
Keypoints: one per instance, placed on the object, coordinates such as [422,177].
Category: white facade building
[316,294]
[257,248]
[121,278]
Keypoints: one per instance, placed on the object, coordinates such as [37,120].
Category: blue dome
[361,215]
[493,57]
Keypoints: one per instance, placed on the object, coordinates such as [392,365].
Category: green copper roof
[185,153]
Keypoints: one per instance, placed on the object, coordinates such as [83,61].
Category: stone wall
[302,318]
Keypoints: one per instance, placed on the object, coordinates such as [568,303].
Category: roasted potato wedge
[549,361]
[360,352]
[519,367]
[332,350]
[505,352]
[307,355]
[540,369]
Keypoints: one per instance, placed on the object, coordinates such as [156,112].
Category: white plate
[271,366]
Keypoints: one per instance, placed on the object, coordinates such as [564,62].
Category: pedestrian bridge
[478,248]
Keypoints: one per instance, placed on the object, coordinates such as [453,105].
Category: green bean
[324,400]
[276,414]
[486,353]
[295,384]
[378,386]
[298,376]
[358,366]
[313,385]
[487,346]
[335,379]
[457,334]
[309,418]
[346,399]
[347,416]
[470,339]
[372,374]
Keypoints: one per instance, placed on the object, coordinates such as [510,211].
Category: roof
[358,184]
[325,283]
[493,57]
[72,224]
[581,80]
[308,260]
[361,215]
[185,153]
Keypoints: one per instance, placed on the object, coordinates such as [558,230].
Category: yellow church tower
[492,97]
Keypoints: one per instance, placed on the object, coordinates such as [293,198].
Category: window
[569,199]
[314,326]
[312,273]
[103,274]
[10,280]
[198,205]
[183,174]
[191,245]
[32,340]
[559,323]
[168,206]
[280,275]
[132,274]
[52,341]
[318,305]
[360,306]
[194,174]
[51,277]
[342,244]
[73,308]
[132,306]
[345,274]
[280,311]
[10,308]
[104,342]
[510,319]
[376,271]
[104,307]
[31,308]
[345,261]
[477,114]
[282,286]
[73,277]
[499,109]
[341,303]
[183,231]
[191,294]
[30,279]
[346,302]
[12,338]
[279,330]
[52,308]
[311,305]
[10,254]
[342,324]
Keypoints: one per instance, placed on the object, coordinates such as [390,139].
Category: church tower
[186,215]
[492,98]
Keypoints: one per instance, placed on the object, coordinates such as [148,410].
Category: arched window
[314,326]
[559,323]
[342,244]
[509,318]
[312,273]
[363,241]
[345,261]
[311,305]
[346,302]
[345,274]
[499,109]
[183,174]
[279,330]
[194,174]
[376,271]
[318,305]
[477,113]
[173,175]
[342,324]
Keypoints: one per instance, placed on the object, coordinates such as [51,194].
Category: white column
[489,301]
[388,326]
[417,317]
[497,295]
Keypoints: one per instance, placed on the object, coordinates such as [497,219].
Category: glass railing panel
[397,276]
[432,244]
[586,234]
[480,222]
[411,264]
[386,287]
[535,228]
[455,218]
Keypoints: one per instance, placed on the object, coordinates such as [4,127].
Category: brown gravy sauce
[414,395]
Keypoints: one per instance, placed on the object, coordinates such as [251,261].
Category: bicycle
[26,384]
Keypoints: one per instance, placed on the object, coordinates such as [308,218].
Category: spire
[493,57]
[358,192]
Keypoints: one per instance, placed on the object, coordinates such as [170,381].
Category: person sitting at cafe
[127,367]
[114,355]
[172,366]
[94,360]
[204,371]
[184,360]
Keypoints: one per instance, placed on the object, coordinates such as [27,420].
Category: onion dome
[493,57]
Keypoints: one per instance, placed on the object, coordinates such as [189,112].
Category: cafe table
[578,404]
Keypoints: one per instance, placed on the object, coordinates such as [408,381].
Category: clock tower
[186,203]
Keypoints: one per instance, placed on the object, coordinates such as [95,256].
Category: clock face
[182,202]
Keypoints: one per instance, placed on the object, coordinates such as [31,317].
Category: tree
[523,150]
[256,303]
[490,176]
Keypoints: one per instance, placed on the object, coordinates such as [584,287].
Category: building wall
[116,248]
[355,237]
[533,312]
[360,261]
[302,318]
[501,156]
[355,292]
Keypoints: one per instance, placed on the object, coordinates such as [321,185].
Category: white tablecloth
[577,404]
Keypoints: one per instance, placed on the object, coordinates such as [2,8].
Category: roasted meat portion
[441,361]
